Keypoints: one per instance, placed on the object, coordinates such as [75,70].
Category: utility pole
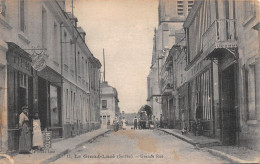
[104,73]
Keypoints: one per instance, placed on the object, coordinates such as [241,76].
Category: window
[67,101]
[82,66]
[78,63]
[44,28]
[202,98]
[55,41]
[180,7]
[2,7]
[54,109]
[23,80]
[22,16]
[251,98]
[74,98]
[104,104]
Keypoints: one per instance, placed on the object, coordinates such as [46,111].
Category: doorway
[228,104]
[43,102]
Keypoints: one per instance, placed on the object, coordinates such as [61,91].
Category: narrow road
[138,146]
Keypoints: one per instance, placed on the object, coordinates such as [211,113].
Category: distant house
[109,108]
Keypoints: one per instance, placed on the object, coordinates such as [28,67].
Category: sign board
[39,61]
[47,136]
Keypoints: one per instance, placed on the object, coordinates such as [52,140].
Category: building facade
[172,14]
[47,66]
[212,74]
[109,108]
[222,76]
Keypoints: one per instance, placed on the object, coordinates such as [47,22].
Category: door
[42,102]
[228,91]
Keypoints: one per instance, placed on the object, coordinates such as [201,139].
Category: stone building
[172,14]
[109,108]
[222,69]
[46,65]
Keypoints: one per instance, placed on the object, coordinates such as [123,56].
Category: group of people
[117,124]
[139,124]
[28,140]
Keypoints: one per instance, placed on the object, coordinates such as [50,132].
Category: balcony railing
[221,34]
[167,82]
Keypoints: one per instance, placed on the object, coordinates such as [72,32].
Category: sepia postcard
[129,81]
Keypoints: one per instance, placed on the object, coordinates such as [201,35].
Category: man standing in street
[135,123]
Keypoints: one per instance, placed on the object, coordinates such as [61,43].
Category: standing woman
[25,135]
[124,123]
[37,133]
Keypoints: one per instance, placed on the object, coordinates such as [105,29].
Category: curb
[216,153]
[61,154]
[182,138]
[227,157]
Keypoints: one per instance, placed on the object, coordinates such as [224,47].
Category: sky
[125,29]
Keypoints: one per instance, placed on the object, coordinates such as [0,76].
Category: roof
[192,14]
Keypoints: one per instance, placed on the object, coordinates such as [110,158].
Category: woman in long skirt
[25,135]
[124,124]
[37,133]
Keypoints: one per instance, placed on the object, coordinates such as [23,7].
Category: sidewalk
[200,141]
[59,149]
[232,154]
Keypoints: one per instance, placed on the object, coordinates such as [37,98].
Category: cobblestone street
[138,146]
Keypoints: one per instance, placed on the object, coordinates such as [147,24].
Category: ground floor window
[201,96]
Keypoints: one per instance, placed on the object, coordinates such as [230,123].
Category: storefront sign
[39,61]
[47,139]
[197,68]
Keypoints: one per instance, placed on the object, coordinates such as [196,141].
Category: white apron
[37,133]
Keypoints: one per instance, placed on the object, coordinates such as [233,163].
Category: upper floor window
[180,7]
[190,5]
[104,104]
[44,28]
[2,7]
[22,15]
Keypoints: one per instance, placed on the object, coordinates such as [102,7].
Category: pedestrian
[37,133]
[124,124]
[116,125]
[135,123]
[161,121]
[184,130]
[24,129]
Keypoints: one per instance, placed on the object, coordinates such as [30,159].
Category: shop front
[20,91]
[49,101]
[183,107]
[200,97]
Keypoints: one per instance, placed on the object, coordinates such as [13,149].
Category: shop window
[108,119]
[54,109]
[23,80]
[203,98]
[104,120]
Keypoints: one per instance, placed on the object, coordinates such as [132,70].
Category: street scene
[142,146]
[129,81]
